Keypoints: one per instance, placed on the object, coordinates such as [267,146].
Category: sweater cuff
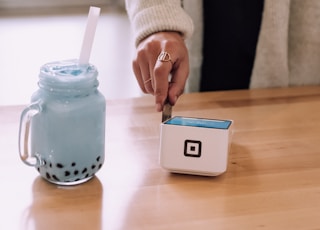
[159,18]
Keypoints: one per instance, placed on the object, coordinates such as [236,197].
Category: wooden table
[272,180]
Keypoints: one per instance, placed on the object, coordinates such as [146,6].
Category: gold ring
[164,57]
[146,81]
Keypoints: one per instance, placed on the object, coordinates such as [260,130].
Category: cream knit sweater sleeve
[151,16]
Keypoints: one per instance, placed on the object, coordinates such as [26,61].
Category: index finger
[162,70]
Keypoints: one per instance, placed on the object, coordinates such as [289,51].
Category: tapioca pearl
[44,162]
[87,175]
[48,176]
[38,169]
[55,177]
[98,158]
[93,166]
[100,165]
[59,165]
[73,164]
[84,170]
[67,173]
[50,165]
[76,172]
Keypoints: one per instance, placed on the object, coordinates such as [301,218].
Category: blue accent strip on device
[199,122]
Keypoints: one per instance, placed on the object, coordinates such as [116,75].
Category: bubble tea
[62,131]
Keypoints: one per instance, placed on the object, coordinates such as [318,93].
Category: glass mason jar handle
[24,135]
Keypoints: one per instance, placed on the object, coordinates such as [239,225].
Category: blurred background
[34,32]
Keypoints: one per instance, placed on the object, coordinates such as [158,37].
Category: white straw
[93,16]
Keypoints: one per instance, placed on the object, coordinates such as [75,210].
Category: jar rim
[63,75]
[68,70]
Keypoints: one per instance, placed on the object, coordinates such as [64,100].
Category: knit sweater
[288,49]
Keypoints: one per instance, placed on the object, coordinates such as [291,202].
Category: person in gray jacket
[271,44]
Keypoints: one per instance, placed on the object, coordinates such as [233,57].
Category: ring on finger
[165,57]
[146,81]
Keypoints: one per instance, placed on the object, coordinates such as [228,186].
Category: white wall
[10,4]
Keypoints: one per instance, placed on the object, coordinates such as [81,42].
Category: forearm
[151,16]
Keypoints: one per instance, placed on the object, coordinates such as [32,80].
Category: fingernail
[159,107]
[175,99]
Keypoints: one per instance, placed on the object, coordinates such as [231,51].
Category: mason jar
[62,131]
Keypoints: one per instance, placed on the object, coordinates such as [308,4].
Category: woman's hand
[161,66]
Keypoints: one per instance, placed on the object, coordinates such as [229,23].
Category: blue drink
[66,124]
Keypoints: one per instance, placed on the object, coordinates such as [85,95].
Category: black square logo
[192,148]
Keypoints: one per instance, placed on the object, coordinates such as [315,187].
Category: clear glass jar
[66,124]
